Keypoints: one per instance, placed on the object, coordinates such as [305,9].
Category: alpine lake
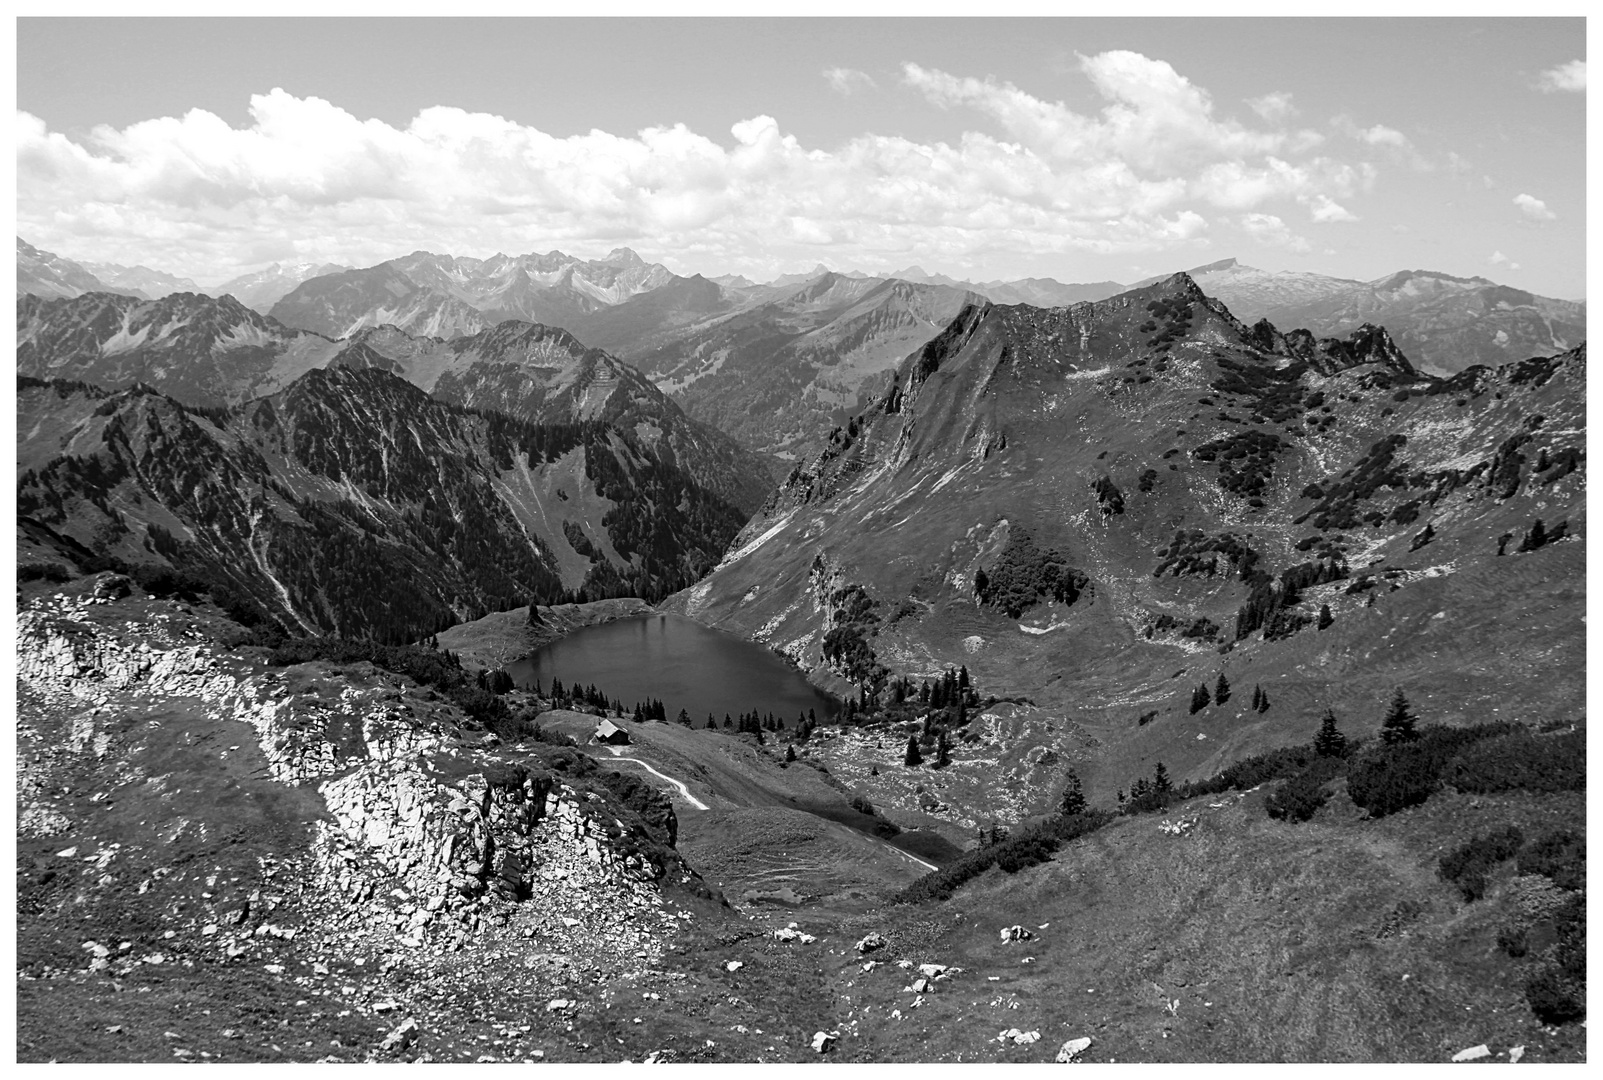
[681,663]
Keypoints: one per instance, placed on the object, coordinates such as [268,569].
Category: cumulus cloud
[1269,230]
[1565,78]
[1275,107]
[1324,210]
[1375,135]
[1497,258]
[310,180]
[848,80]
[1533,208]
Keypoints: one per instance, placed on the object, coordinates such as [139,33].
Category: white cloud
[1497,258]
[848,80]
[1565,78]
[1325,210]
[1270,231]
[1375,135]
[1275,107]
[195,195]
[1533,208]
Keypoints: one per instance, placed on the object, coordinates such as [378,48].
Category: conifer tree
[684,717]
[1199,698]
[1263,701]
[1257,696]
[913,757]
[943,752]
[534,614]
[1160,780]
[1073,800]
[1221,690]
[1330,742]
[790,752]
[1325,617]
[1398,727]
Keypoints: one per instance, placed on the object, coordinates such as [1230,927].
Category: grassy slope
[775,835]
[1271,937]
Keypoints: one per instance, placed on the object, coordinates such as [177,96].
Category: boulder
[1016,933]
[1071,1050]
[734,965]
[871,941]
[1473,1053]
[823,1040]
[404,1035]
[932,971]
[1018,1038]
[111,586]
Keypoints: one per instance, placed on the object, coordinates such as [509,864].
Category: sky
[1077,149]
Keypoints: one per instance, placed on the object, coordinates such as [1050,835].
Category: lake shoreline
[505,637]
[682,662]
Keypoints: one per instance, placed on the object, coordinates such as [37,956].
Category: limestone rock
[404,1035]
[870,942]
[1071,1050]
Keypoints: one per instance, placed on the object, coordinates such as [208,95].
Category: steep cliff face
[413,835]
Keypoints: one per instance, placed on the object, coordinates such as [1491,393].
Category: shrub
[1553,998]
[1301,796]
[1467,865]
[1026,848]
[1392,777]
[1521,760]
[1511,939]
[1559,856]
[50,571]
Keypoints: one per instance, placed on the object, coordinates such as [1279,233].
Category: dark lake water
[681,663]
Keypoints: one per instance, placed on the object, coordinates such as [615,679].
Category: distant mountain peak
[1215,267]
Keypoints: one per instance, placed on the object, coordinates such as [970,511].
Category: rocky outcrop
[425,838]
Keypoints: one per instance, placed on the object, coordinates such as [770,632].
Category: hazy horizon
[980,149]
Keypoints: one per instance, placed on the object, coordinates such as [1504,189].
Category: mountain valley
[1118,594]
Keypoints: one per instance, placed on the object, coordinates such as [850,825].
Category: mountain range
[817,336]
[351,502]
[1077,502]
[210,353]
[1444,323]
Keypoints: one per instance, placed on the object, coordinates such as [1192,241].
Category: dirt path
[691,799]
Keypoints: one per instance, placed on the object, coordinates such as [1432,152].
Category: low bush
[1468,865]
[49,571]
[1523,761]
[1299,798]
[1553,998]
[1026,848]
[1389,778]
[1559,856]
